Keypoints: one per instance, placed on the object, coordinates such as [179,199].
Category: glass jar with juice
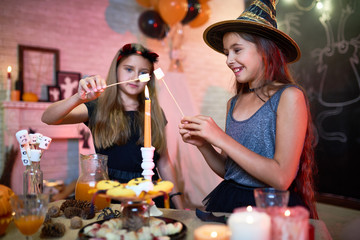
[93,169]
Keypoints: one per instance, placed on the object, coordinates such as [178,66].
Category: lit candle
[147,120]
[248,223]
[289,223]
[212,232]
[9,72]
[8,87]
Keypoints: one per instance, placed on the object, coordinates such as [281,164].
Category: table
[187,217]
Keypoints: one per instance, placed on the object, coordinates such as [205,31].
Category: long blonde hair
[111,125]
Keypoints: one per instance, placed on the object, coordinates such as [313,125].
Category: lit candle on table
[247,223]
[212,232]
[147,120]
[289,223]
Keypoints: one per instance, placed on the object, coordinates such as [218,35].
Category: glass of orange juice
[29,212]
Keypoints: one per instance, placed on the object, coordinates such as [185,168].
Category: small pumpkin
[5,194]
[30,97]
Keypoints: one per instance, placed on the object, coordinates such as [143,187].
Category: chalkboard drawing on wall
[329,39]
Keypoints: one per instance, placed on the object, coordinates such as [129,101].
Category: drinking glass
[135,214]
[271,197]
[29,212]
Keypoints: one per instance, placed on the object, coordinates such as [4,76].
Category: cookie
[107,184]
[137,181]
[120,191]
[162,186]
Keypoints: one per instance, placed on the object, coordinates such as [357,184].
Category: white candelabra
[147,164]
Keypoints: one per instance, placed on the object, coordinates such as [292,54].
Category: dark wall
[329,72]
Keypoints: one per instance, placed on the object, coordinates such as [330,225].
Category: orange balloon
[203,1]
[144,3]
[202,17]
[155,5]
[172,11]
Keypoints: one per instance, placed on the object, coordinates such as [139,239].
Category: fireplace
[59,162]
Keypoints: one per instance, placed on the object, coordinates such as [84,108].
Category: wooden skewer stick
[160,76]
[142,78]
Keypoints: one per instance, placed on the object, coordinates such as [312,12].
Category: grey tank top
[257,133]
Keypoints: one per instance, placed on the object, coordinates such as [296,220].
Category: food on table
[114,229]
[107,184]
[120,191]
[134,187]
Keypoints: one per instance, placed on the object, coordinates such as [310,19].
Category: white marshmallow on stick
[142,78]
[32,140]
[38,138]
[45,142]
[35,155]
[24,140]
[159,74]
[25,155]
[23,137]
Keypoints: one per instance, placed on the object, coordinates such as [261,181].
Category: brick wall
[89,32]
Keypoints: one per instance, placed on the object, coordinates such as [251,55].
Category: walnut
[54,211]
[75,222]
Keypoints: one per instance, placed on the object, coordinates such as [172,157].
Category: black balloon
[152,25]
[193,10]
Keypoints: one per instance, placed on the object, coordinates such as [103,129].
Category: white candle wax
[249,224]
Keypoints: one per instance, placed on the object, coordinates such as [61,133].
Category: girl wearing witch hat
[268,136]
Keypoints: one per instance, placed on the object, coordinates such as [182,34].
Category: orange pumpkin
[5,194]
[30,97]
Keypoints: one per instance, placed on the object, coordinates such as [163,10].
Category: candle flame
[9,69]
[287,213]
[213,234]
[249,208]
[147,93]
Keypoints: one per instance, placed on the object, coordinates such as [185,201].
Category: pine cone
[70,212]
[47,218]
[52,230]
[86,213]
[75,203]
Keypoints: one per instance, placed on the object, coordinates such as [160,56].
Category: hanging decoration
[193,10]
[152,25]
[202,17]
[172,11]
[167,18]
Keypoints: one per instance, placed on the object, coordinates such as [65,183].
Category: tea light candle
[247,223]
[147,120]
[289,223]
[212,232]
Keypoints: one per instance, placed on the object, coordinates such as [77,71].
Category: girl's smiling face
[130,68]
[243,59]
